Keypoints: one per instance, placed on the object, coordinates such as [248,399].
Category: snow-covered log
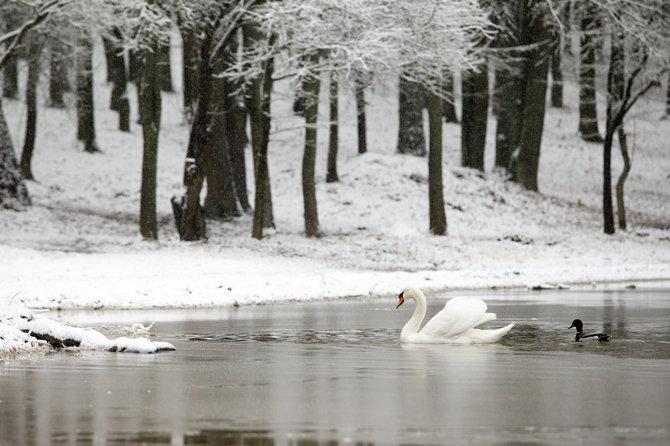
[20,330]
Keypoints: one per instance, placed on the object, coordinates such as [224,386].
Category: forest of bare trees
[506,55]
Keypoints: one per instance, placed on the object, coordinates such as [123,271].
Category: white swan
[453,324]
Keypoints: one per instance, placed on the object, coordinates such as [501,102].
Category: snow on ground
[79,246]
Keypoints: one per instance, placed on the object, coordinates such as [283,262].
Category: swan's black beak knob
[401,300]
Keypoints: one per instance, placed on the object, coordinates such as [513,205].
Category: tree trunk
[119,78]
[615,93]
[13,191]
[608,209]
[438,218]
[237,141]
[511,96]
[150,97]
[556,76]
[360,119]
[221,200]
[193,225]
[588,115]
[411,138]
[621,208]
[110,50]
[331,175]
[258,104]
[534,105]
[58,81]
[190,69]
[35,50]
[165,67]
[510,83]
[10,78]
[667,96]
[449,104]
[135,66]
[311,85]
[475,86]
[85,107]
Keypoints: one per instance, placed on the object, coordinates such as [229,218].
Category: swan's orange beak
[401,300]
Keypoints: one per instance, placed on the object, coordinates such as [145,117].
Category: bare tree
[644,29]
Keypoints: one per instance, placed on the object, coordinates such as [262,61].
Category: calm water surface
[334,373]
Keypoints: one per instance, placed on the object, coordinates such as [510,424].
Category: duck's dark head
[577,323]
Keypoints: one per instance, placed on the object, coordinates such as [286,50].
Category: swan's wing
[457,316]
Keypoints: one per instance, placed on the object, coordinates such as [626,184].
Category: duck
[579,325]
[454,324]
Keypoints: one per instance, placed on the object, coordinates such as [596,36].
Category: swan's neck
[414,324]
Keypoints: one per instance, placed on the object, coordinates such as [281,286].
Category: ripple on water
[524,337]
[307,336]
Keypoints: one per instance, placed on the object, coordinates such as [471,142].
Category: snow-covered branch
[419,39]
[15,37]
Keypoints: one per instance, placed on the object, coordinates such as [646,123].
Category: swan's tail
[479,336]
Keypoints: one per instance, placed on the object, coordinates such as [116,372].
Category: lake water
[334,373]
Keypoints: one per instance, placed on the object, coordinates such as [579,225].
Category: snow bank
[22,331]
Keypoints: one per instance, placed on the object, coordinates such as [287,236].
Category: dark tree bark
[449,104]
[13,191]
[85,107]
[627,165]
[34,53]
[411,139]
[237,140]
[311,86]
[588,114]
[437,215]
[258,105]
[190,216]
[58,75]
[190,68]
[615,93]
[10,78]
[475,87]
[135,66]
[119,78]
[165,67]
[556,76]
[360,120]
[511,92]
[221,200]
[150,115]
[534,105]
[110,50]
[331,175]
[667,96]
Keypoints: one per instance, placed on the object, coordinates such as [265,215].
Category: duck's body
[578,324]
[454,324]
